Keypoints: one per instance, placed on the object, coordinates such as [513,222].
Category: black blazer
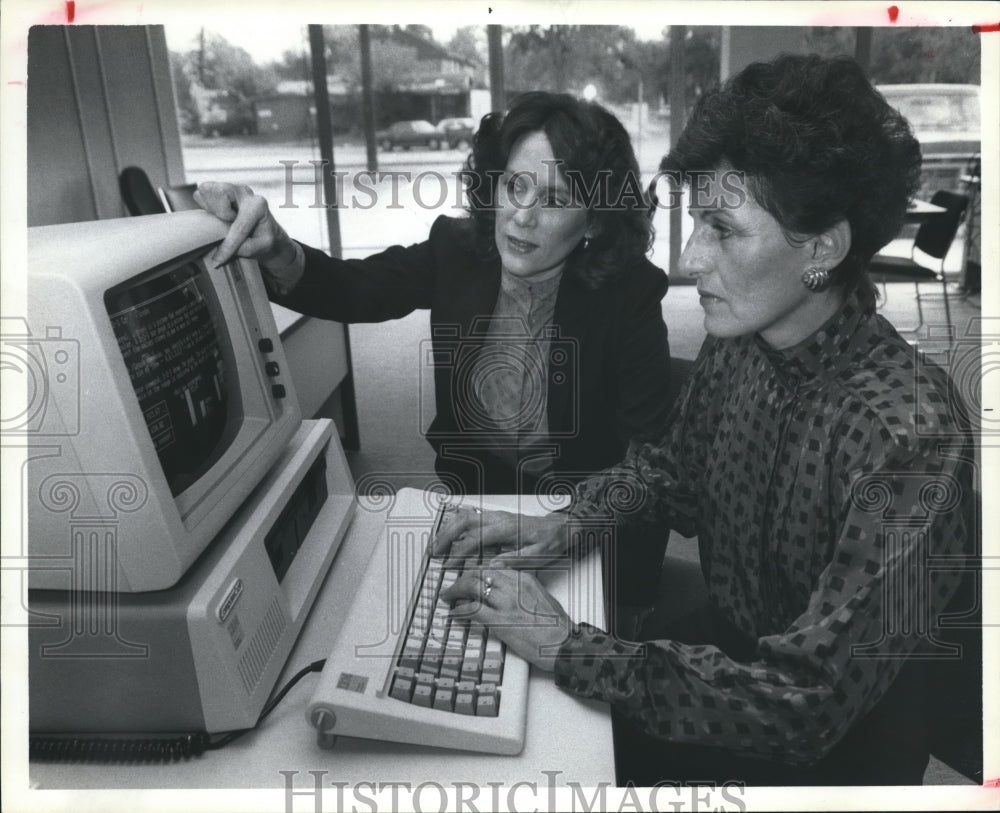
[614,384]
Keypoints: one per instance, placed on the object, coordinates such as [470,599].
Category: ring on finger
[487,587]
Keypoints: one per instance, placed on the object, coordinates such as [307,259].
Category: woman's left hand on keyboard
[516,608]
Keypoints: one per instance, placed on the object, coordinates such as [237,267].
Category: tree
[292,65]
[906,55]
[393,65]
[394,62]
[343,53]
[925,55]
[423,31]
[469,43]
[565,58]
[702,53]
[220,65]
[217,83]
[702,50]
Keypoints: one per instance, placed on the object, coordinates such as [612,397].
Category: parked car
[408,134]
[458,132]
[946,121]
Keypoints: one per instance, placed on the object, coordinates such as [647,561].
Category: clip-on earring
[816,279]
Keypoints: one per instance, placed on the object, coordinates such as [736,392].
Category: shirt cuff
[588,655]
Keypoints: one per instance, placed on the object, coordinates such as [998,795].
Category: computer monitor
[181,514]
[160,398]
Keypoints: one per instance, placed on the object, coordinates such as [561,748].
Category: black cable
[230,736]
[71,748]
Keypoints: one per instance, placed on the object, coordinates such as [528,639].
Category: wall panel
[99,99]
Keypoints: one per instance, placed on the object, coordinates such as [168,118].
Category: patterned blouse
[509,379]
[818,479]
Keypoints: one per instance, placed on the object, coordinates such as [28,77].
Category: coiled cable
[102,749]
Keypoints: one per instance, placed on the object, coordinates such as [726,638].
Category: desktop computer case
[205,654]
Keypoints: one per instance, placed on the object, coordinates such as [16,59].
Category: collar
[831,349]
[529,288]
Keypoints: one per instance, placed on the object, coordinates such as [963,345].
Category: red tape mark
[893,13]
[986,28]
[70,11]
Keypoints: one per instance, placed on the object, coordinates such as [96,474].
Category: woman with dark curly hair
[592,152]
[820,463]
[548,338]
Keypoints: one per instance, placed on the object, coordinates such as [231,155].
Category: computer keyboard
[447,662]
[406,666]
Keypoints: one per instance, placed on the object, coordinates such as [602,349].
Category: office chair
[179,198]
[138,193]
[934,239]
[972,269]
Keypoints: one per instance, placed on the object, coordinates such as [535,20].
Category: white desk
[566,737]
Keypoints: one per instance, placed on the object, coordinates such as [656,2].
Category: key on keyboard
[403,669]
[447,662]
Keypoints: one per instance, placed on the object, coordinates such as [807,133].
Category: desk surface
[566,737]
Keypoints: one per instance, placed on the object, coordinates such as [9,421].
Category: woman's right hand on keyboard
[502,538]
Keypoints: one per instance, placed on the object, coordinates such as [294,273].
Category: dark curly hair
[817,144]
[600,167]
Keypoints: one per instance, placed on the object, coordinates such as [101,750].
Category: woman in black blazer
[548,342]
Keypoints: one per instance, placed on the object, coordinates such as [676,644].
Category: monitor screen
[181,406]
[166,328]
